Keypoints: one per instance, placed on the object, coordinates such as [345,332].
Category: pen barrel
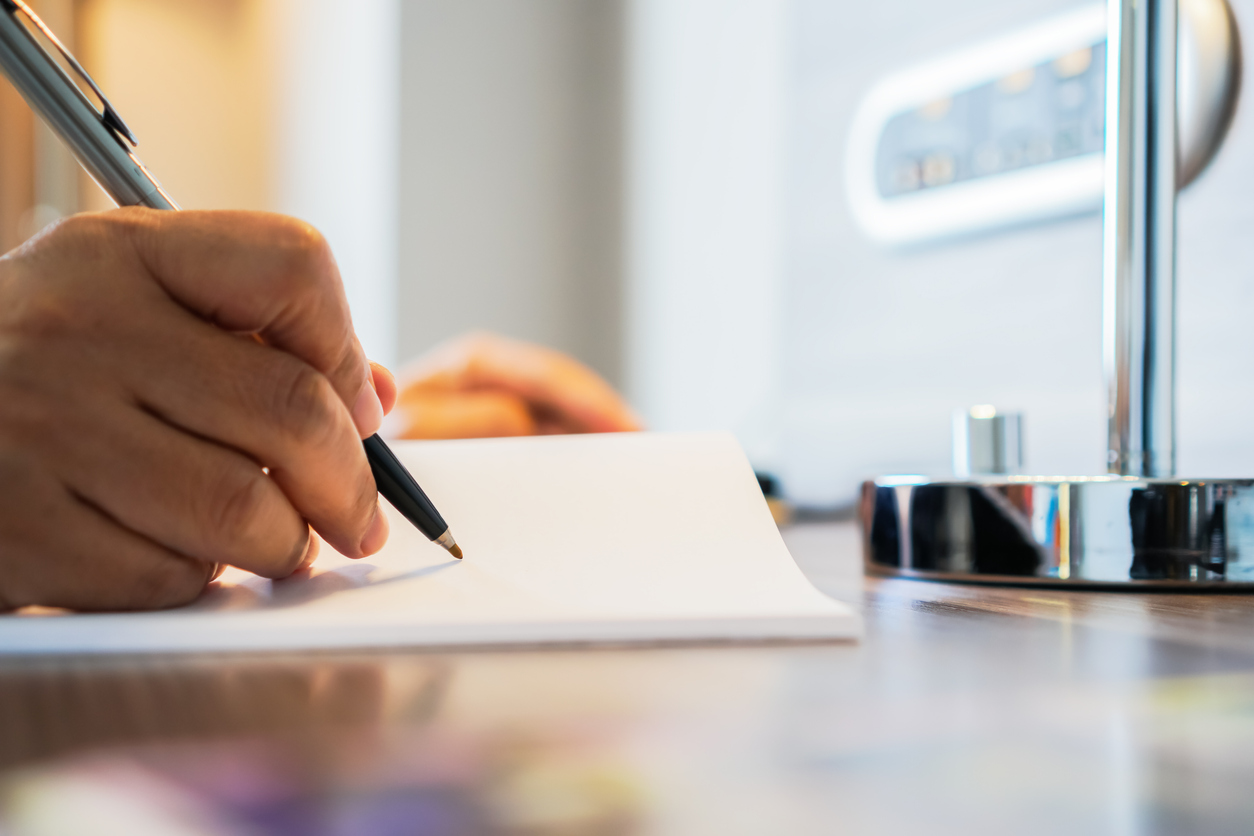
[399,488]
[60,103]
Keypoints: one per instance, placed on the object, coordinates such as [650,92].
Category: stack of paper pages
[574,539]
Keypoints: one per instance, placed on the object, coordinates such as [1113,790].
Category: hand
[482,385]
[151,365]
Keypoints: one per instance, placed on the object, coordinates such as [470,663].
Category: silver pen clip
[108,115]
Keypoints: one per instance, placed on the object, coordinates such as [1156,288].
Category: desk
[964,710]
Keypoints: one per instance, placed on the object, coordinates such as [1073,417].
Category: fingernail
[368,412]
[377,534]
[377,373]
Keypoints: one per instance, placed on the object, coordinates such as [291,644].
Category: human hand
[482,385]
[136,416]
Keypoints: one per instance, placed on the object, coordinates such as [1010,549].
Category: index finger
[256,273]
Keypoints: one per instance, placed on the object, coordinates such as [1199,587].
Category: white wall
[510,209]
[1215,371]
[756,305]
[881,345]
[706,174]
[750,300]
[337,146]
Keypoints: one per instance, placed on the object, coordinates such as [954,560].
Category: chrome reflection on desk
[1099,530]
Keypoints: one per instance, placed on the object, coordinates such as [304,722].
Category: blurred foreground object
[987,442]
[482,385]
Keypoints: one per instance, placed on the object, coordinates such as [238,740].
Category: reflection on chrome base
[1055,530]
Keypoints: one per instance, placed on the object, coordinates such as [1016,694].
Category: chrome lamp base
[1109,531]
[1093,531]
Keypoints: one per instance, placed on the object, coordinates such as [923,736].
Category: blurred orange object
[482,385]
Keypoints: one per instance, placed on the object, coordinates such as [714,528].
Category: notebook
[633,537]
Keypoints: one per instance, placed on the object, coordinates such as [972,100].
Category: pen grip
[400,489]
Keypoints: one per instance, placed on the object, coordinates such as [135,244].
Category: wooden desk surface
[964,710]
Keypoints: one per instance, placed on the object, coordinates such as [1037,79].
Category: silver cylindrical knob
[987,442]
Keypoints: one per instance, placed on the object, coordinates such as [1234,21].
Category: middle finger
[271,406]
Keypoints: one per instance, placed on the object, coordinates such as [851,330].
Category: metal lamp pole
[1139,286]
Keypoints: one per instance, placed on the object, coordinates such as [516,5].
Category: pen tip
[446,541]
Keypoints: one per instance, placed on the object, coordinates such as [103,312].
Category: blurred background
[658,187]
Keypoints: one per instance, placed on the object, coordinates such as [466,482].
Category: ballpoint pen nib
[446,540]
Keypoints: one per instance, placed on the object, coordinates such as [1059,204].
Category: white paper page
[624,537]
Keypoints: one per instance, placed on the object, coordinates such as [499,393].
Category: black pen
[102,143]
[400,489]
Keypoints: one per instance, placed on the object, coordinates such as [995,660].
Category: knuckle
[235,512]
[365,501]
[246,522]
[349,367]
[170,583]
[305,405]
[306,252]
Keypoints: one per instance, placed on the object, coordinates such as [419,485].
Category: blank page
[568,539]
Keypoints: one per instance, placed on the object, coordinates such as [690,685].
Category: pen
[102,143]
